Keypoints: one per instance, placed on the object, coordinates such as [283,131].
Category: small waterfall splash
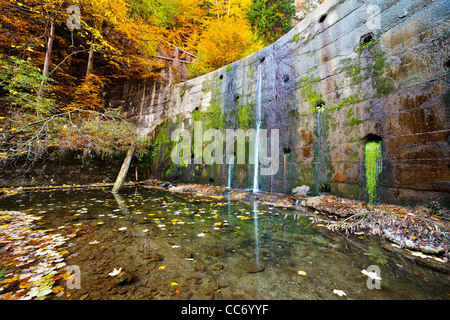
[258,126]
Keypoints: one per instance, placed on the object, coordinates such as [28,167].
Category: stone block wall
[350,72]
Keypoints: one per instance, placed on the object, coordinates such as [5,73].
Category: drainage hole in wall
[366,40]
[285,78]
[320,106]
[325,188]
[322,18]
[287,151]
[371,137]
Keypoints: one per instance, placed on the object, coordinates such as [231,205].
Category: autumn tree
[224,40]
[271,19]
[41,56]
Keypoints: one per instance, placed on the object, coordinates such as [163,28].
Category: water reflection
[121,203]
[255,219]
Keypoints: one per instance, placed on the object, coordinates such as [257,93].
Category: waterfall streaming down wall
[321,159]
[374,165]
[230,169]
[258,126]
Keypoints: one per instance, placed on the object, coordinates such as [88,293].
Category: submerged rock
[157,257]
[254,268]
[124,278]
[218,267]
[216,252]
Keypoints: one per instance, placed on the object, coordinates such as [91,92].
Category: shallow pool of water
[172,246]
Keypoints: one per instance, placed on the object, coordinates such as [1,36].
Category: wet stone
[124,278]
[216,252]
[84,296]
[187,255]
[254,268]
[157,257]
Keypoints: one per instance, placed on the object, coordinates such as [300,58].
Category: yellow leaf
[9,280]
[301,273]
[66,276]
[161,268]
[174,283]
[57,289]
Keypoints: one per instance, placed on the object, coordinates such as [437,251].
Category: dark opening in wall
[262,59]
[325,188]
[367,40]
[211,180]
[196,109]
[322,18]
[447,64]
[287,151]
[221,77]
[371,137]
[236,97]
[320,106]
[285,78]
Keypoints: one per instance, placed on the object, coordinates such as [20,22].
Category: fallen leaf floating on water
[201,234]
[340,293]
[33,261]
[115,272]
[371,274]
[94,242]
[123,229]
[301,273]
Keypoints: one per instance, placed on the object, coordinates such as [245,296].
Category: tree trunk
[48,55]
[90,59]
[124,170]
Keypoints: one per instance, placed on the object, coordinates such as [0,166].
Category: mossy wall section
[395,88]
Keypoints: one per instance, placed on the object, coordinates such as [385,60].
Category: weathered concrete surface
[396,89]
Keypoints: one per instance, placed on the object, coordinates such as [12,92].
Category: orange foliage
[225,40]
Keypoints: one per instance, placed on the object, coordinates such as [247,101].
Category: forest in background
[58,57]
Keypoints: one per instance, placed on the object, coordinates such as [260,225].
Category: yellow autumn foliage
[224,40]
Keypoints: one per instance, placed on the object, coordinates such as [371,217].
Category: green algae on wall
[245,116]
[374,165]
